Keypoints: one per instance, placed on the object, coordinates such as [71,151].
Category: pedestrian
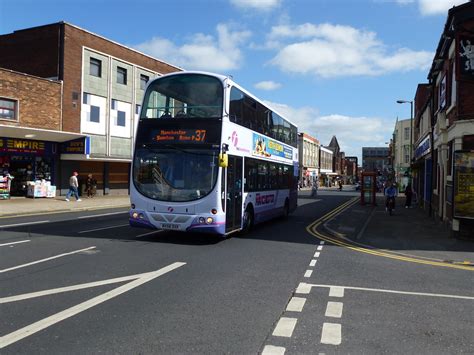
[91,185]
[408,195]
[73,187]
[340,185]
[314,189]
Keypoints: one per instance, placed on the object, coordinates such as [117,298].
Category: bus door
[234,194]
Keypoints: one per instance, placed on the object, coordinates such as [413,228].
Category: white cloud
[352,133]
[328,50]
[267,85]
[257,4]
[438,7]
[202,52]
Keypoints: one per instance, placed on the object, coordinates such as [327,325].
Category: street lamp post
[411,129]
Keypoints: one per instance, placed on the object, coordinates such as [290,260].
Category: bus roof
[226,80]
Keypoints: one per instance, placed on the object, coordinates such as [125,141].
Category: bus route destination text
[181,135]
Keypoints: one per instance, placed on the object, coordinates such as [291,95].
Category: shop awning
[38,134]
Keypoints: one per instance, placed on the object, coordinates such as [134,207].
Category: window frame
[144,83]
[95,63]
[15,109]
[121,75]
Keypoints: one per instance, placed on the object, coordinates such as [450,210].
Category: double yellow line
[313,230]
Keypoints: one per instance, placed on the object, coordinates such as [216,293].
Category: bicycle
[390,205]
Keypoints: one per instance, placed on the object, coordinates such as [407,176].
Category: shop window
[95,67]
[121,118]
[121,75]
[94,114]
[8,109]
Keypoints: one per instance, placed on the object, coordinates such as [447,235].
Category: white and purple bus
[210,157]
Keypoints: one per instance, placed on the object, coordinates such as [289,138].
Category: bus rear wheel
[286,209]
[248,220]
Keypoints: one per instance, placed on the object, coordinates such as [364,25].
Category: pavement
[23,206]
[407,231]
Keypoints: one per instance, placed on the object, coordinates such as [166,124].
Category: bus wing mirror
[223,160]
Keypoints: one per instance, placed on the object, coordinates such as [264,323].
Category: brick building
[308,152]
[452,137]
[81,96]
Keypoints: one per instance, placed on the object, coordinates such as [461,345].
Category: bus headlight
[202,220]
[209,220]
[135,215]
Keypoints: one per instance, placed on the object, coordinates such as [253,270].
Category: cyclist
[390,193]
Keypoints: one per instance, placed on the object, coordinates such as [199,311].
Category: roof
[456,16]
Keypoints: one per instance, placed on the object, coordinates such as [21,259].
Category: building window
[121,118]
[94,114]
[143,81]
[453,84]
[113,106]
[95,68]
[121,75]
[137,109]
[86,98]
[8,109]
[406,133]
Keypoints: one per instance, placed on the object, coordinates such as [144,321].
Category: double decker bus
[210,157]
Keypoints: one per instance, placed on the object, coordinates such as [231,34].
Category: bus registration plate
[169,226]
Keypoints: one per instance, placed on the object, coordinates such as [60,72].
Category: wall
[38,100]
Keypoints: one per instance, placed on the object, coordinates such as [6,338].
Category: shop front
[27,161]
[422,179]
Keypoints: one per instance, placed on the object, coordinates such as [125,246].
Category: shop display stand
[4,187]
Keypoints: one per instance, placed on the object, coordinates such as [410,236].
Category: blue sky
[334,67]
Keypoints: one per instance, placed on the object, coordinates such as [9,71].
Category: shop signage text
[423,148]
[466,57]
[13,145]
[76,146]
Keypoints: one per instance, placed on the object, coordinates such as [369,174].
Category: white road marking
[285,327]
[58,317]
[273,350]
[22,224]
[54,291]
[12,243]
[296,304]
[103,214]
[303,288]
[145,234]
[313,263]
[47,259]
[321,242]
[334,309]
[331,334]
[308,273]
[320,247]
[316,255]
[393,291]
[103,228]
[336,292]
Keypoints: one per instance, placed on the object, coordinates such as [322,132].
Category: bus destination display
[180,135]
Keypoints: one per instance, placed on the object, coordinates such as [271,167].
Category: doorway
[233,194]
